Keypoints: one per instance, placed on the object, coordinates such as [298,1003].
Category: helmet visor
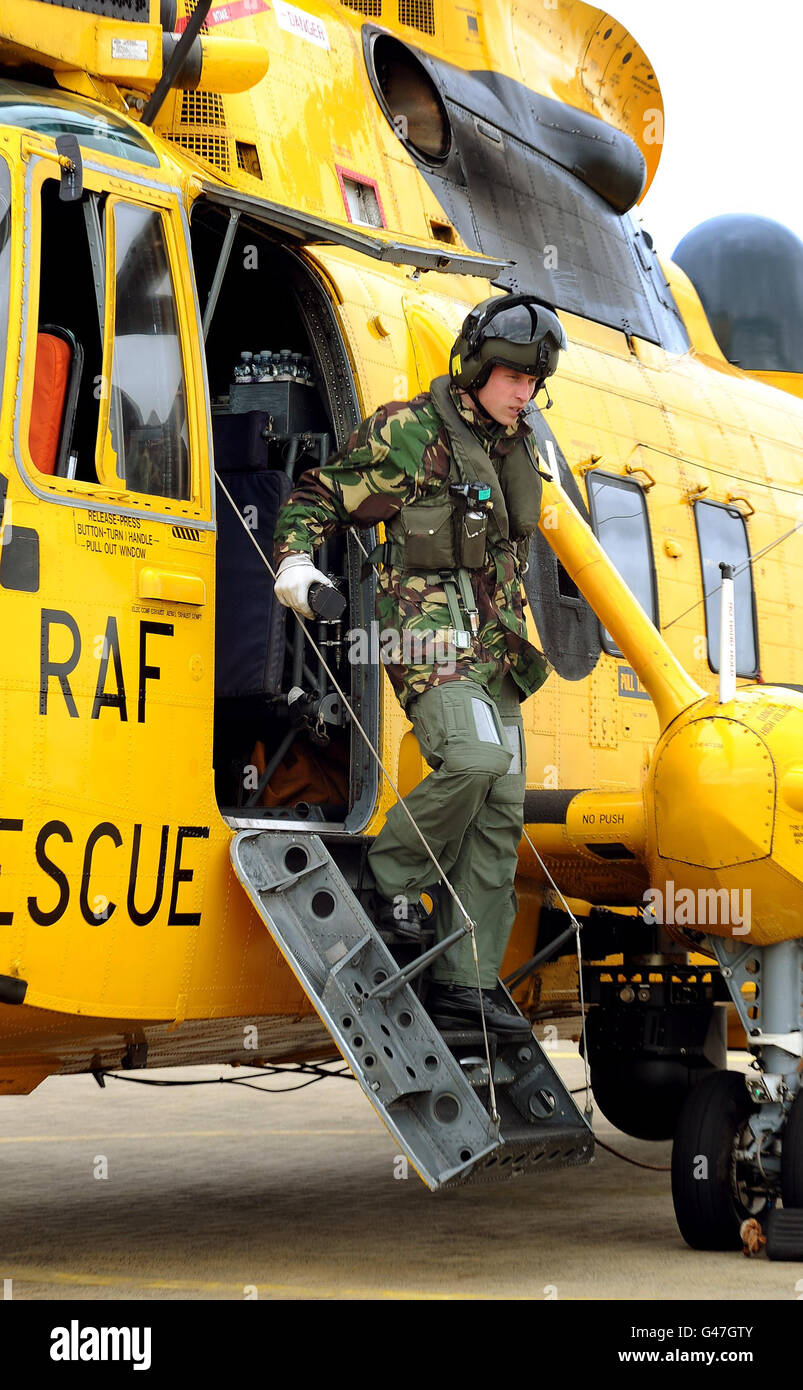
[516,325]
[525,323]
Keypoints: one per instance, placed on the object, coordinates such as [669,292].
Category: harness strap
[456,584]
[469,601]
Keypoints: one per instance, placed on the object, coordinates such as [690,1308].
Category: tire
[792,1155]
[785,1235]
[711,1206]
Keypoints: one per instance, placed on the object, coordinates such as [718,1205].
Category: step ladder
[429,1088]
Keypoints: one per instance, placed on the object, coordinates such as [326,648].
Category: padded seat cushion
[249,623]
[51,377]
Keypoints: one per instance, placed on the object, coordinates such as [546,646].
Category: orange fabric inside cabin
[307,773]
[51,375]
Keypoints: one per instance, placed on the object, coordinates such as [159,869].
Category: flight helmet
[509,330]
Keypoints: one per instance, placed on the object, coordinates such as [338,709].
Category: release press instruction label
[107,535]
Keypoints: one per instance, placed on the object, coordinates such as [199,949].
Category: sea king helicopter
[227,233]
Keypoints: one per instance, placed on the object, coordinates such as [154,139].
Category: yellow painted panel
[720,754]
[782,381]
[125,52]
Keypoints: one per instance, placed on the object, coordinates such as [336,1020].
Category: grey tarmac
[215,1192]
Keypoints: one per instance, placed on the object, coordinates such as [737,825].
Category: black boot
[458,1006]
[408,928]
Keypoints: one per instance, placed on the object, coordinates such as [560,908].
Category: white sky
[731,77]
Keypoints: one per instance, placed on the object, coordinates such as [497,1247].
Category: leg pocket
[475,738]
[509,791]
[426,716]
[455,699]
[457,726]
[514,740]
[487,725]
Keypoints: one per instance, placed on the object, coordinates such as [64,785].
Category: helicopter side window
[722,536]
[68,350]
[147,398]
[620,522]
[5,260]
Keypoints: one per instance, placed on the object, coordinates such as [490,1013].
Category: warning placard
[107,534]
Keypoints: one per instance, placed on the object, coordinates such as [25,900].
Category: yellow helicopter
[227,233]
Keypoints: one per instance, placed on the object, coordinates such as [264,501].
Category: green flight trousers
[470,811]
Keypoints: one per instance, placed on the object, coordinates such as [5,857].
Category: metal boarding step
[430,1097]
[540,1124]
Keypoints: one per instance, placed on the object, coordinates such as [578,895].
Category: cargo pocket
[509,790]
[429,537]
[474,734]
[514,738]
[427,721]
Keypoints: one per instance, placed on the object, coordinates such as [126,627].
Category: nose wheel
[739,1140]
[719,1176]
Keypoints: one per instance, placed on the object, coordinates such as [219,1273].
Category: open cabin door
[283,399]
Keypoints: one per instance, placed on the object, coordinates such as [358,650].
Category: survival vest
[431,533]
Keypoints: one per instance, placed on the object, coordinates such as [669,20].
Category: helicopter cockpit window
[722,536]
[5,260]
[619,518]
[22,105]
[68,346]
[147,404]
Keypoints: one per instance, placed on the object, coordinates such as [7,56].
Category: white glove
[294,579]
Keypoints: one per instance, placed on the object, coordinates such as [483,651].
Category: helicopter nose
[726,784]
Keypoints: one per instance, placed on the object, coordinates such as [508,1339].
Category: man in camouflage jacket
[400,454]
[460,682]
